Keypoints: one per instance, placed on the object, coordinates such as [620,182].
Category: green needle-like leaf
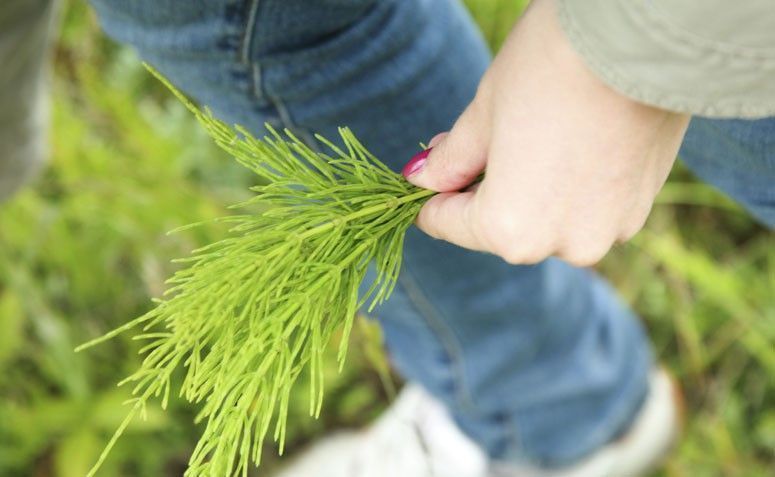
[254,311]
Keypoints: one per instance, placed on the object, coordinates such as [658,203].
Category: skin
[572,166]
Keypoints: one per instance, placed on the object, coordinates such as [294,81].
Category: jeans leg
[738,157]
[540,362]
[24,33]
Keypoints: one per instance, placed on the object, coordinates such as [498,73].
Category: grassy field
[85,247]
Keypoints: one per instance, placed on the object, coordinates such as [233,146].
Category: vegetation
[85,248]
[253,312]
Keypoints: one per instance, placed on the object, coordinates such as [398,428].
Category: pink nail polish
[416,163]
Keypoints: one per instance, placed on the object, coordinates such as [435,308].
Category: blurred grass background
[85,248]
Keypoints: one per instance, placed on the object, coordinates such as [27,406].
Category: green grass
[85,247]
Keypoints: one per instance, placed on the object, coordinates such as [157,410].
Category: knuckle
[520,252]
[500,244]
[512,254]
[584,260]
[505,237]
[526,256]
[500,233]
[584,255]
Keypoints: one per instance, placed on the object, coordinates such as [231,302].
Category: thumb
[456,159]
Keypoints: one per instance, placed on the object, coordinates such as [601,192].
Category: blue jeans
[536,363]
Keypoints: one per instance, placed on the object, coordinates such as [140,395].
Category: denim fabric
[539,363]
[738,157]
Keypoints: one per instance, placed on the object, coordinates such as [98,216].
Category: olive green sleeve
[711,58]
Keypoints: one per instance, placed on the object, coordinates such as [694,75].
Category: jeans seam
[256,73]
[433,318]
[449,343]
[246,51]
[256,80]
[247,37]
[255,70]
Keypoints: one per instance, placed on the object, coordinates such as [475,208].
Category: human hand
[572,166]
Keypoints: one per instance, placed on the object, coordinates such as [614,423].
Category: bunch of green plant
[251,313]
[81,251]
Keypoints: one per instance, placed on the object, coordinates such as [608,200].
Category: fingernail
[416,163]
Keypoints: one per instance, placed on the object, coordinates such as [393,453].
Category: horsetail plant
[254,311]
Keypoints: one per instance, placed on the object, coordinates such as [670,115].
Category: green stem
[367,211]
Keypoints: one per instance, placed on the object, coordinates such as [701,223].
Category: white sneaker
[417,438]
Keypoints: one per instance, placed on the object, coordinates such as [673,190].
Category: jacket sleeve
[712,58]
